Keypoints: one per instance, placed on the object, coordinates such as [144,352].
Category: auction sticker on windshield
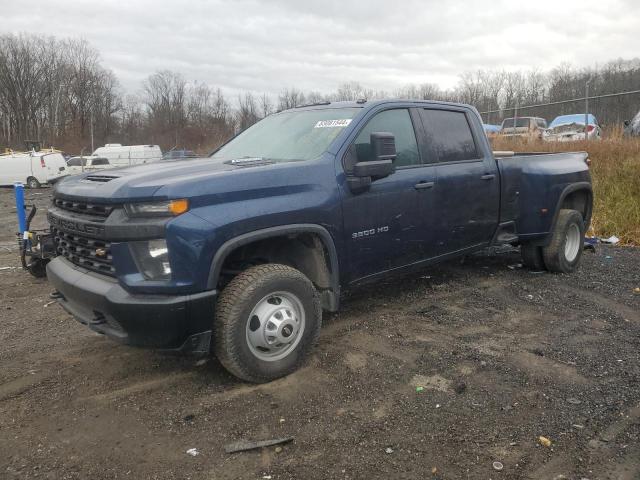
[343,122]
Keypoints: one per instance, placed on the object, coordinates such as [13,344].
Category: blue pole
[22,218]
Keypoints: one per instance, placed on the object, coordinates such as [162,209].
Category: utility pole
[586,108]
[91,119]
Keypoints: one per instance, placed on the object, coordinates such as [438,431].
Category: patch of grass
[615,172]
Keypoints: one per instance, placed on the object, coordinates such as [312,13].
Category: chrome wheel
[275,326]
[572,242]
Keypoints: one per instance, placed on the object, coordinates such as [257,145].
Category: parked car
[632,127]
[32,168]
[568,128]
[239,253]
[76,165]
[523,127]
[128,155]
[178,154]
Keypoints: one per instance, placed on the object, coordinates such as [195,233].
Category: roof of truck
[363,103]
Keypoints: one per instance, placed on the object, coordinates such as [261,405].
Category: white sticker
[343,122]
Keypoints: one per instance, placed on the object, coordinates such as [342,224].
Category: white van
[32,168]
[123,156]
[76,165]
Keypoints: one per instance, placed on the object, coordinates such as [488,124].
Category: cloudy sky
[264,46]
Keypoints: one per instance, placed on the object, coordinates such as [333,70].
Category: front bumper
[167,322]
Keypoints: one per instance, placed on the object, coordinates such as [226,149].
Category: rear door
[467,190]
[384,225]
[54,166]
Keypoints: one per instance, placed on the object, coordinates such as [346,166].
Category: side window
[449,135]
[397,122]
[73,162]
[100,161]
[542,123]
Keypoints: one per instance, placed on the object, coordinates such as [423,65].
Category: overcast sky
[264,46]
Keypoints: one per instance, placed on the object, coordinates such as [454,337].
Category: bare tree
[290,98]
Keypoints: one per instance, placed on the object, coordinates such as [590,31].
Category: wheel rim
[572,242]
[275,326]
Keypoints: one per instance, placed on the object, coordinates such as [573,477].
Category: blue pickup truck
[238,253]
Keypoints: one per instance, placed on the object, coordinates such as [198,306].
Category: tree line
[58,92]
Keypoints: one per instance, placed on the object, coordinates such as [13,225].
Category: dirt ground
[504,356]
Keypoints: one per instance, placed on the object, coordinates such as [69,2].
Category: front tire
[32,182]
[563,253]
[267,320]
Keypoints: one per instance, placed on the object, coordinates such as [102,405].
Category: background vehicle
[127,155]
[240,252]
[524,127]
[178,154]
[567,128]
[632,127]
[491,130]
[32,168]
[77,165]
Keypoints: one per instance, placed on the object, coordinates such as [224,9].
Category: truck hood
[144,181]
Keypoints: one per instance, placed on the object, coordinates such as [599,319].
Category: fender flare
[327,240]
[574,187]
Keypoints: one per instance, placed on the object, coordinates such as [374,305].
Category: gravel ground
[503,356]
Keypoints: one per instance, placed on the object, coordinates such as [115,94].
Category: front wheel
[32,182]
[567,240]
[267,320]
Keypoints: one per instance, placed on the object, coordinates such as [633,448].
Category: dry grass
[615,171]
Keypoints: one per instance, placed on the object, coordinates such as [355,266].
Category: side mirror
[382,163]
[627,123]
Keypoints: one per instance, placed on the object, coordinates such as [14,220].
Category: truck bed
[532,185]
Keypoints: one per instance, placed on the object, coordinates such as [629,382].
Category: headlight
[165,208]
[152,258]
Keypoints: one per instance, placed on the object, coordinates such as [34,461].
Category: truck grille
[92,209]
[85,252]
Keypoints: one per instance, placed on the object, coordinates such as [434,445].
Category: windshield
[520,122]
[567,119]
[301,135]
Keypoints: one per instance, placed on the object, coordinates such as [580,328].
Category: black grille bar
[85,252]
[83,207]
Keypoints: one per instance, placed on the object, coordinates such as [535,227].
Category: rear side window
[397,122]
[100,161]
[449,135]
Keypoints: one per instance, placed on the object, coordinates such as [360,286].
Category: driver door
[384,224]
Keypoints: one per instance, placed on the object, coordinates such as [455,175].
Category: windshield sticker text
[333,123]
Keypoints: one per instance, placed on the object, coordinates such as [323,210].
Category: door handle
[489,176]
[423,185]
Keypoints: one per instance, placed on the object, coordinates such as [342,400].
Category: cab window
[449,134]
[397,122]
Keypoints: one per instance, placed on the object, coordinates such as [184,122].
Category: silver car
[571,128]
